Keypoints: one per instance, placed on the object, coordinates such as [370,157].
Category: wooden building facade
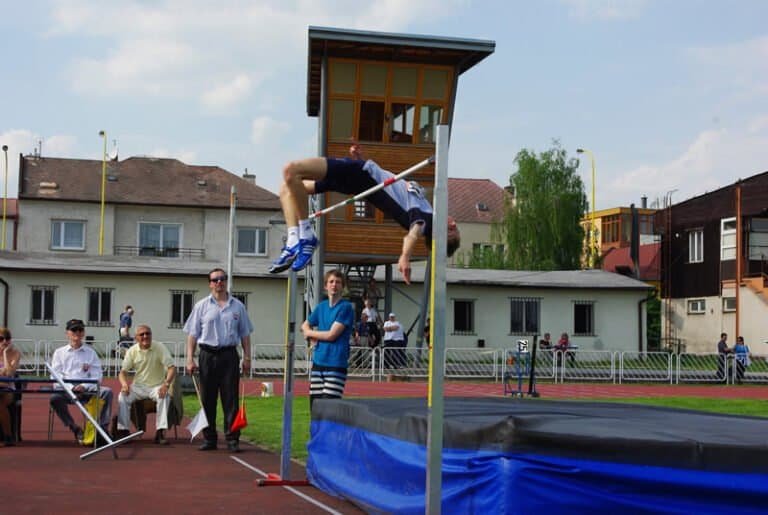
[388,92]
[714,267]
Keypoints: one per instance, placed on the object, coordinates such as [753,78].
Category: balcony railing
[166,252]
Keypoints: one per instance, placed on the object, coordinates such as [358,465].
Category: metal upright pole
[436,402]
[103,134]
[290,345]
[231,240]
[5,193]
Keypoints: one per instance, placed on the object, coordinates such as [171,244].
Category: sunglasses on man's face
[3,338]
[142,335]
[218,279]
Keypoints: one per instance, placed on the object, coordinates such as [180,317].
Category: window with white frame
[463,316]
[729,304]
[524,315]
[67,235]
[251,241]
[99,307]
[696,246]
[182,302]
[727,239]
[583,318]
[42,306]
[159,239]
[697,306]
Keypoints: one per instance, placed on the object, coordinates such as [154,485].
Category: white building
[166,226]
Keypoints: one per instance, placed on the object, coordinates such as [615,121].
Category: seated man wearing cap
[394,337]
[79,362]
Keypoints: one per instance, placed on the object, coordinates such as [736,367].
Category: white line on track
[290,489]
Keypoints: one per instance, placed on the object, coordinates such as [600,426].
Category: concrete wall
[700,332]
[35,225]
[150,296]
[615,316]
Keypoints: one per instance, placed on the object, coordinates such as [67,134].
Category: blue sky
[668,95]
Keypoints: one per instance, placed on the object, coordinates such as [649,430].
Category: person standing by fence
[741,356]
[722,356]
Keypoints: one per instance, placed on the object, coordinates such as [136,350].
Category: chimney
[644,202]
[249,177]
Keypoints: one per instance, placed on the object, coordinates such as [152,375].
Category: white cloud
[739,69]
[229,94]
[715,158]
[605,10]
[23,141]
[265,129]
[183,48]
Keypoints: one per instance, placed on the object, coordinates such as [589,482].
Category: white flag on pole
[197,424]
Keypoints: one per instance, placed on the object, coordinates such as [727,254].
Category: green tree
[541,228]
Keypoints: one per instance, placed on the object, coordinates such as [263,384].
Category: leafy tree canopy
[540,229]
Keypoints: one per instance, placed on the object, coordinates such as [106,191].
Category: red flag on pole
[240,419]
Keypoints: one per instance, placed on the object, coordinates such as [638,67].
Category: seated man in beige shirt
[154,373]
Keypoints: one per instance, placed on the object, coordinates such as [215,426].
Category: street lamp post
[5,194]
[593,248]
[103,191]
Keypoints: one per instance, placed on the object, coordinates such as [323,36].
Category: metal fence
[463,364]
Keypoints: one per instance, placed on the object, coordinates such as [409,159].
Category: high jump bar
[374,189]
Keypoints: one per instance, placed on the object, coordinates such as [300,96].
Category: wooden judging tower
[388,92]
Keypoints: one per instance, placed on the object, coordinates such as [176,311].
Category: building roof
[475,200]
[386,46]
[559,279]
[650,261]
[138,180]
[71,263]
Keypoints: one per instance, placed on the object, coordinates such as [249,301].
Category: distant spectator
[426,332]
[126,322]
[722,355]
[372,293]
[10,357]
[394,337]
[546,342]
[371,317]
[741,355]
[563,343]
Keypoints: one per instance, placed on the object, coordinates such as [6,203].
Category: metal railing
[163,252]
[464,364]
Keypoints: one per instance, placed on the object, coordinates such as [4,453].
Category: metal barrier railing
[754,369]
[472,363]
[646,367]
[362,362]
[586,365]
[478,364]
[402,361]
[702,368]
[269,360]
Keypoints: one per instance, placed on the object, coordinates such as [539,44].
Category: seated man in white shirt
[154,373]
[79,362]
